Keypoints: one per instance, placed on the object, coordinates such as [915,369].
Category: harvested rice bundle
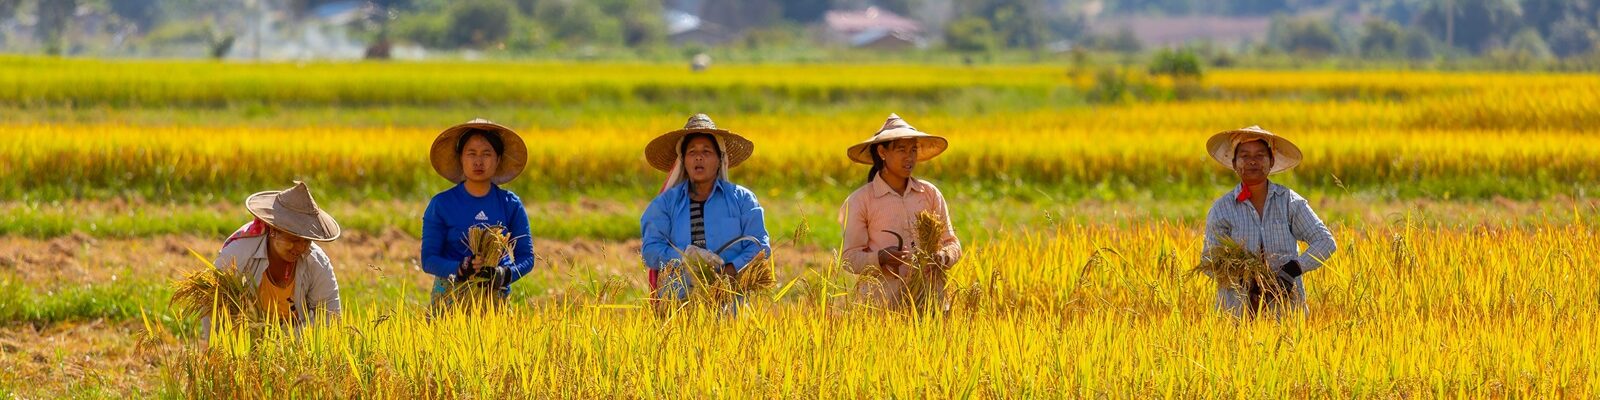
[1243,271]
[706,284]
[716,289]
[927,266]
[757,276]
[217,292]
[490,242]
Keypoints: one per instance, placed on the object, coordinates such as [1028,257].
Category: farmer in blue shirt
[699,216]
[478,156]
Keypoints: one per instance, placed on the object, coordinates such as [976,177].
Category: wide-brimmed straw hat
[447,161]
[895,128]
[294,211]
[662,152]
[1285,154]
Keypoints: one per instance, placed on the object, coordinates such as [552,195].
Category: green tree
[1528,43]
[1016,23]
[1122,41]
[1572,37]
[1306,37]
[1417,44]
[480,23]
[1381,38]
[1470,24]
[640,21]
[1176,63]
[143,13]
[579,23]
[54,15]
[970,34]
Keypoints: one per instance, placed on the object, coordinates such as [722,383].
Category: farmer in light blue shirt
[699,217]
[478,156]
[1267,219]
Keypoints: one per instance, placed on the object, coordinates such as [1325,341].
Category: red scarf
[252,229]
[1244,191]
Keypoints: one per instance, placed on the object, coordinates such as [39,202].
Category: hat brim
[1285,154]
[448,163]
[662,151]
[929,146]
[317,226]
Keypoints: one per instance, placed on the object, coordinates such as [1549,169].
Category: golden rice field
[1463,205]
[1081,312]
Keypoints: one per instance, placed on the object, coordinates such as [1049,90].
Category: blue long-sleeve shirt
[730,213]
[452,212]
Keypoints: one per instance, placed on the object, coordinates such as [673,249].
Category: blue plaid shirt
[1276,234]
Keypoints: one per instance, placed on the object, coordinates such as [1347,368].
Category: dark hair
[1264,142]
[684,147]
[490,136]
[877,160]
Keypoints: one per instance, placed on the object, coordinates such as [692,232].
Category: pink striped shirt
[876,207]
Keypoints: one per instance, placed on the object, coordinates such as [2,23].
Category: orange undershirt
[277,300]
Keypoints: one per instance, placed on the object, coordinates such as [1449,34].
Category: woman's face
[1252,160]
[700,160]
[285,246]
[900,157]
[479,160]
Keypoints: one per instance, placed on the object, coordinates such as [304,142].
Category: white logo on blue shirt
[481,217]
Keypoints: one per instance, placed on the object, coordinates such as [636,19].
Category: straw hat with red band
[446,158]
[895,128]
[294,211]
[1285,154]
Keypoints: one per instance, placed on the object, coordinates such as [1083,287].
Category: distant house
[884,39]
[1167,31]
[873,28]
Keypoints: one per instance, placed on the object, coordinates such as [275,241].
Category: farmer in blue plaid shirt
[1265,218]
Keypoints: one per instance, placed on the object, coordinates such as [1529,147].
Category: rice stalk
[1243,271]
[924,285]
[222,294]
[488,244]
[710,287]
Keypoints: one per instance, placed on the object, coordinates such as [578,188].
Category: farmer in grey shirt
[277,254]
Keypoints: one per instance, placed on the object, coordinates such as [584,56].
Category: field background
[1463,204]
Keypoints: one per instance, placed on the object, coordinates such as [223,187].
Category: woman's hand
[467,268]
[699,256]
[1286,275]
[892,258]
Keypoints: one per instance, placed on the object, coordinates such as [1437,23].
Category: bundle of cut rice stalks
[924,280]
[925,284]
[223,294]
[1243,271]
[489,244]
[714,289]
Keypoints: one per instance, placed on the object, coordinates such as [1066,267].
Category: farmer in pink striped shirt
[879,218]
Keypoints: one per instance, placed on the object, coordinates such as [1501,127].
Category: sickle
[751,239]
[900,242]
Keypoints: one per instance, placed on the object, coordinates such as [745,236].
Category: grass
[20,303]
